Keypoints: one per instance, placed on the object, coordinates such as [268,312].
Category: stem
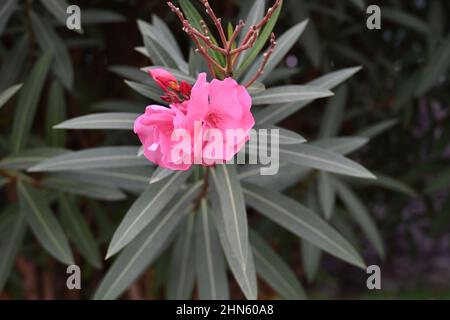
[266,58]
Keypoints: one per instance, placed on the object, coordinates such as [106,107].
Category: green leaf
[78,230]
[438,66]
[284,136]
[180,282]
[289,94]
[145,209]
[233,210]
[7,8]
[56,112]
[58,8]
[390,183]
[14,62]
[27,103]
[135,74]
[334,112]
[260,42]
[284,45]
[194,18]
[164,46]
[89,190]
[119,106]
[311,256]
[255,14]
[341,145]
[99,16]
[327,194]
[96,158]
[113,121]
[164,32]
[302,222]
[160,174]
[245,274]
[43,223]
[8,93]
[157,53]
[378,128]
[145,248]
[50,42]
[210,265]
[27,158]
[133,179]
[313,157]
[11,238]
[405,19]
[271,267]
[359,212]
[276,113]
[146,91]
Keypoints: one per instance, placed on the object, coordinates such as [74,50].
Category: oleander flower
[155,129]
[207,125]
[223,108]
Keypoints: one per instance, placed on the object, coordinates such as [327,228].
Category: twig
[266,58]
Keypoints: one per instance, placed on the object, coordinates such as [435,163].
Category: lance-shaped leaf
[134,179]
[327,194]
[276,113]
[145,209]
[160,174]
[289,94]
[78,230]
[44,224]
[210,265]
[27,158]
[146,91]
[361,215]
[7,8]
[13,62]
[11,238]
[378,128]
[233,211]
[145,248]
[96,158]
[56,112]
[255,14]
[284,45]
[182,269]
[134,74]
[89,190]
[164,32]
[271,267]
[334,112]
[311,256]
[313,157]
[341,145]
[118,106]
[27,103]
[49,41]
[157,53]
[8,93]
[302,222]
[284,136]
[260,42]
[164,47]
[113,120]
[57,8]
[245,274]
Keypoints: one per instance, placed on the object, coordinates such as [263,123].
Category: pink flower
[207,125]
[155,128]
[223,107]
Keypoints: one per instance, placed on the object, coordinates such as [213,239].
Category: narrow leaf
[290,94]
[113,120]
[8,93]
[56,112]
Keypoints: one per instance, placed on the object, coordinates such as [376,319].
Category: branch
[266,58]
[217,22]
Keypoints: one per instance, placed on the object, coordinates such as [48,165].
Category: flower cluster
[206,124]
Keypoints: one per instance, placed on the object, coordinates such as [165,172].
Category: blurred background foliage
[403,89]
